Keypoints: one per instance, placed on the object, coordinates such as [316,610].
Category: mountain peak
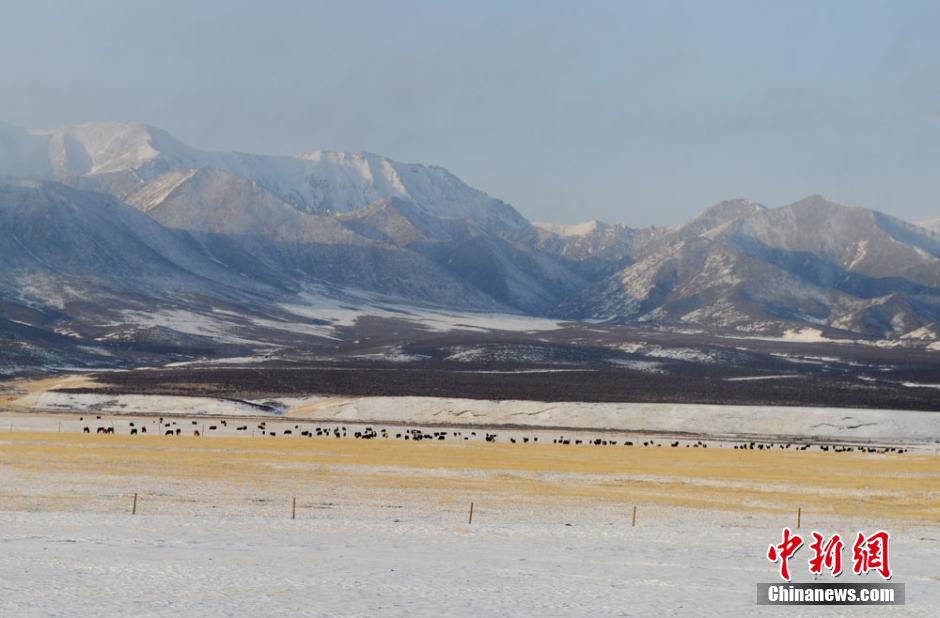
[733,207]
[720,214]
[815,201]
[109,147]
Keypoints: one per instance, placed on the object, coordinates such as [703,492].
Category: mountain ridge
[810,262]
[263,229]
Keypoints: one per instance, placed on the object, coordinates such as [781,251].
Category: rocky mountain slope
[596,249]
[740,266]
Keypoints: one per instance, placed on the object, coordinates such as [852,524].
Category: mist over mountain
[932,225]
[105,221]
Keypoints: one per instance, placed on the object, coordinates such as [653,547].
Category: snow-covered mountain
[745,267]
[291,210]
[102,221]
[144,166]
[595,248]
[82,272]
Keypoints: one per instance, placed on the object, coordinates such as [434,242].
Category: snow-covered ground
[382,527]
[357,304]
[832,424]
[372,563]
[165,405]
[718,420]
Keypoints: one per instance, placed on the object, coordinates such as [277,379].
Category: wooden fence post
[470,520]
[293,512]
[634,516]
[799,516]
[134,508]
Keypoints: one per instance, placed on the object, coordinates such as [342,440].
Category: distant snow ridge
[578,229]
[321,181]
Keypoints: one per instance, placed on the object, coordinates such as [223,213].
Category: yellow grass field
[51,471]
[20,394]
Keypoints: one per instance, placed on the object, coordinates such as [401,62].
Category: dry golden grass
[892,487]
[22,394]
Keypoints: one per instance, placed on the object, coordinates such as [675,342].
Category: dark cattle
[133,432]
[86,430]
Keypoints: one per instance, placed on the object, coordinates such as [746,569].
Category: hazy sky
[642,113]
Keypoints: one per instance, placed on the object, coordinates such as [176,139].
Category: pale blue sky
[642,113]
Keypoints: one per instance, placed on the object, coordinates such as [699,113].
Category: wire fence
[299,508]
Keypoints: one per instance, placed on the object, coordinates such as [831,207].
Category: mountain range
[99,222]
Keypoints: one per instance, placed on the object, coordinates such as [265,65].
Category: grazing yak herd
[172,428]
